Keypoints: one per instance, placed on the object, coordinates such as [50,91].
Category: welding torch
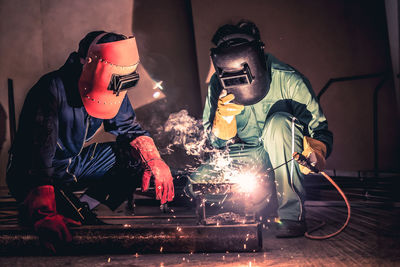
[301,159]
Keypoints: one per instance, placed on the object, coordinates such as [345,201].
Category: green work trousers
[281,136]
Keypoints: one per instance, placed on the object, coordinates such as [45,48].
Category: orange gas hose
[308,235]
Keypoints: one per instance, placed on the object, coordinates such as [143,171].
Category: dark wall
[323,40]
[166,44]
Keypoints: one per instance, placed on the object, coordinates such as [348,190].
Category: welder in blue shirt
[262,110]
[62,112]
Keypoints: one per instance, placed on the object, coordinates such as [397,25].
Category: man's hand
[162,179]
[154,167]
[224,124]
[50,226]
[53,231]
[315,152]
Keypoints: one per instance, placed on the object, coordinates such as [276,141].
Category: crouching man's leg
[282,136]
[136,162]
[103,172]
[111,174]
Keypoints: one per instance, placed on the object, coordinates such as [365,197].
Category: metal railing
[384,77]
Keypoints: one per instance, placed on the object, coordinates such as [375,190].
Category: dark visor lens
[119,83]
[238,78]
[234,81]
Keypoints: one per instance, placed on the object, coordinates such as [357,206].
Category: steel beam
[120,239]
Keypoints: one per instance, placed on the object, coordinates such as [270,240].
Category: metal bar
[375,118]
[203,208]
[132,217]
[192,40]
[200,210]
[347,78]
[119,239]
[375,105]
[273,169]
[11,110]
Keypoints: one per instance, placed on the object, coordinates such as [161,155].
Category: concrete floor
[371,239]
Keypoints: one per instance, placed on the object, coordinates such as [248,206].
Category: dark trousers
[106,171]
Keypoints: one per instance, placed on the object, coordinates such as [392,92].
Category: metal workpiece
[121,239]
[241,214]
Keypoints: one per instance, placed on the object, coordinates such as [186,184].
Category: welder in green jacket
[261,110]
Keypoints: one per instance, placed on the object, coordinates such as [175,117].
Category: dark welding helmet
[240,66]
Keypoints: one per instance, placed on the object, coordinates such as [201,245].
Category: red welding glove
[315,151]
[145,148]
[50,226]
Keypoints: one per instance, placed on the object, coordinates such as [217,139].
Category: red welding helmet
[109,70]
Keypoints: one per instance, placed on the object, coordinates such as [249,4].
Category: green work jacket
[289,91]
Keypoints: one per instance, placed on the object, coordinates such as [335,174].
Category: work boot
[88,217]
[290,228]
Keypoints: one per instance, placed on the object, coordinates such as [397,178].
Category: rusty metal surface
[140,239]
[372,239]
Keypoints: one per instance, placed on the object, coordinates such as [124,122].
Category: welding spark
[156,95]
[158,85]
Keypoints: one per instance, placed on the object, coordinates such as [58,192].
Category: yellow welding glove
[315,151]
[224,124]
